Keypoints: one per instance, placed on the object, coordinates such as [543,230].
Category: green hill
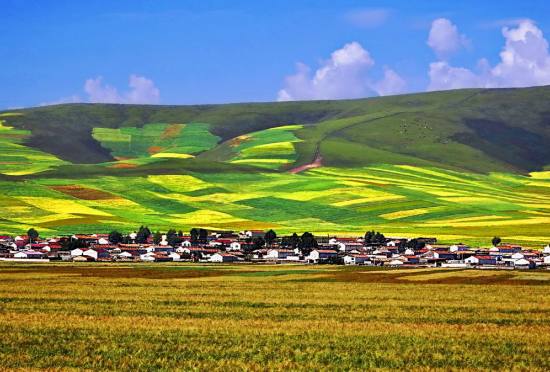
[454,164]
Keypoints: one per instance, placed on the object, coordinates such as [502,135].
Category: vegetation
[144,317]
[414,165]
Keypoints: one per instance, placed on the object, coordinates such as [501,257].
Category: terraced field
[16,159]
[399,200]
[156,140]
[182,316]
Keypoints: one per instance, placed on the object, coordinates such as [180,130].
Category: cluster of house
[236,247]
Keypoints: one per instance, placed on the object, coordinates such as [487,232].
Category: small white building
[234,246]
[395,263]
[517,256]
[125,255]
[317,255]
[278,254]
[77,252]
[356,259]
[174,256]
[103,241]
[147,257]
[522,263]
[472,260]
[223,257]
[186,243]
[90,253]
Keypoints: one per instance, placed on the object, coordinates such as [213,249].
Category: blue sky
[182,52]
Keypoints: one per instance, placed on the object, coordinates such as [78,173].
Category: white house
[408,252]
[317,255]
[395,263]
[517,256]
[234,246]
[279,254]
[222,257]
[356,259]
[546,250]
[29,254]
[186,243]
[90,253]
[77,252]
[103,241]
[472,260]
[125,255]
[174,256]
[522,263]
[147,257]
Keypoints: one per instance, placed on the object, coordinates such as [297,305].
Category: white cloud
[344,75]
[392,83]
[445,39]
[524,61]
[142,90]
[368,18]
[97,92]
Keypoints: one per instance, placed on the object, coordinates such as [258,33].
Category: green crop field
[462,166]
[207,317]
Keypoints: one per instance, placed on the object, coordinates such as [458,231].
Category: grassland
[143,317]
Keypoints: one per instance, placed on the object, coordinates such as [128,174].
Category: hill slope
[454,164]
[476,130]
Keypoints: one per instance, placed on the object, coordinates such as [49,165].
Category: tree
[307,243]
[379,238]
[172,237]
[415,244]
[157,237]
[368,237]
[402,247]
[259,243]
[270,237]
[194,235]
[294,241]
[115,237]
[496,241]
[143,235]
[203,235]
[32,234]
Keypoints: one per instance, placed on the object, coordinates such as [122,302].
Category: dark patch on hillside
[523,149]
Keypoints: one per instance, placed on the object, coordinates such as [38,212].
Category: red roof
[485,257]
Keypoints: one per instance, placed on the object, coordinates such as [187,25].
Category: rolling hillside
[462,165]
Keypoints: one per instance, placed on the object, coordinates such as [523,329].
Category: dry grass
[144,317]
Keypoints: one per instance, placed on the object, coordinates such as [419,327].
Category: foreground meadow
[138,316]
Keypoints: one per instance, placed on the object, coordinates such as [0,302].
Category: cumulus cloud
[445,39]
[344,75]
[524,61]
[142,90]
[392,83]
[368,18]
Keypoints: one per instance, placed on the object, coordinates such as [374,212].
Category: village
[257,246]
